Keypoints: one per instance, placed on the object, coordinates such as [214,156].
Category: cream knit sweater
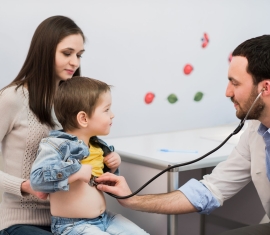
[20,134]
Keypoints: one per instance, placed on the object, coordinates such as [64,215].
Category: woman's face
[67,56]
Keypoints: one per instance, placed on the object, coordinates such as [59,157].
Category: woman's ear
[82,119]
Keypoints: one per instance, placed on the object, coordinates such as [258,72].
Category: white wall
[142,46]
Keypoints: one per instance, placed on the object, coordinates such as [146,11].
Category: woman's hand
[26,188]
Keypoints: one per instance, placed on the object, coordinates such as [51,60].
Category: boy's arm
[50,173]
[84,174]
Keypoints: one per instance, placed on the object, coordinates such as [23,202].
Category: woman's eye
[66,54]
[79,56]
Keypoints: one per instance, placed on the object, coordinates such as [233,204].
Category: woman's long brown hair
[38,71]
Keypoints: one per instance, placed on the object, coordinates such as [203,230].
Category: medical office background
[166,59]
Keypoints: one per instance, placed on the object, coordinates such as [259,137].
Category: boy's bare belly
[81,201]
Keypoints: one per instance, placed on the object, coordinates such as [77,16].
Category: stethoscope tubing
[238,128]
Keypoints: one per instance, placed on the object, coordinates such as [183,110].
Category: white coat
[246,162]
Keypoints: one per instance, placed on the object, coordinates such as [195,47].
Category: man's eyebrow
[232,79]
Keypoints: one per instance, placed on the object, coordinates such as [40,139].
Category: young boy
[64,169]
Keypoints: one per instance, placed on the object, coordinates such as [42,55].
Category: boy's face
[101,120]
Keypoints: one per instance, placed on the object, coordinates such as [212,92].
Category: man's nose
[229,90]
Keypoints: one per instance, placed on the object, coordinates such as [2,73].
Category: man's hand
[113,184]
[26,188]
[112,161]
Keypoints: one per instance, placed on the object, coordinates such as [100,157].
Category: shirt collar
[263,129]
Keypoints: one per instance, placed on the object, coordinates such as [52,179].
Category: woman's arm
[11,107]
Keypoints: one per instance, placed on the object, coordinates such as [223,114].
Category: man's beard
[257,109]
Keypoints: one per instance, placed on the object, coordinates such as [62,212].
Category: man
[249,74]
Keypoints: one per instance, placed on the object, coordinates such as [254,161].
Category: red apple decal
[149,97]
[188,69]
[205,40]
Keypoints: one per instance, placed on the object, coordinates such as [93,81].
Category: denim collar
[63,135]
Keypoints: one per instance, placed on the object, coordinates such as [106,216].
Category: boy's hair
[257,52]
[75,95]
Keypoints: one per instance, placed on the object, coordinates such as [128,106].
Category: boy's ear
[82,119]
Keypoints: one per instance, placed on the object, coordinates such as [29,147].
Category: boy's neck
[80,135]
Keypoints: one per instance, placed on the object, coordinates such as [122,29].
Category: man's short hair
[257,52]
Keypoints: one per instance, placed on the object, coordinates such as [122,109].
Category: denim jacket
[58,157]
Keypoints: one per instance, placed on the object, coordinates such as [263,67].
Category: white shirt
[245,163]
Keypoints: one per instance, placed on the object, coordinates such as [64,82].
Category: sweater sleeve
[10,111]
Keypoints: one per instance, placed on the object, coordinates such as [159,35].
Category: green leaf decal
[198,96]
[172,98]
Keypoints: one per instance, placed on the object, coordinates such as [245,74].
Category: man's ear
[265,87]
[82,119]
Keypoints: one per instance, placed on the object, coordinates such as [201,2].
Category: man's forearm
[169,203]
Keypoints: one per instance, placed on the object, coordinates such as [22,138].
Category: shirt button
[59,175]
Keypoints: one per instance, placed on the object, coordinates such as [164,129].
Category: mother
[26,108]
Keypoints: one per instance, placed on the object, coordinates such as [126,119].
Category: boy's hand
[112,161]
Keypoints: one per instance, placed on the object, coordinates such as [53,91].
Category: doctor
[249,74]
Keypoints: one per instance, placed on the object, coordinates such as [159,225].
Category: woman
[26,117]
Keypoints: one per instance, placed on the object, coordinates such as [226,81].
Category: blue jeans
[107,223]
[26,229]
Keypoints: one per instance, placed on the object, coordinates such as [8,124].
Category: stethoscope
[238,128]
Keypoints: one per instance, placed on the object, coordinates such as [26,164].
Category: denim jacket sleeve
[52,167]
